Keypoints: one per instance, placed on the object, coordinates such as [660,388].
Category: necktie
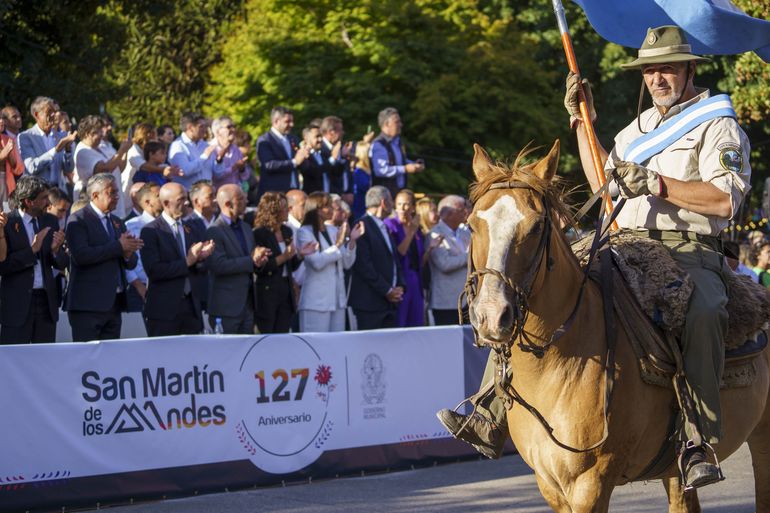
[36,229]
[179,241]
[108,225]
[111,232]
[180,245]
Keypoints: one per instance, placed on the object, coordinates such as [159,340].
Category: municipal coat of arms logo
[373,379]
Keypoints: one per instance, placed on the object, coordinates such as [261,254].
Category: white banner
[80,410]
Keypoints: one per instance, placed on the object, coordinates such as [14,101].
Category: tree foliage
[460,71]
[457,74]
[167,50]
[54,48]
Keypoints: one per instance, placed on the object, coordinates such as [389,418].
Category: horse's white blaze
[502,219]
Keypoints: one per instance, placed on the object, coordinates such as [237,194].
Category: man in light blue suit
[45,150]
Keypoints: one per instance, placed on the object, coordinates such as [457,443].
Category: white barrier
[79,411]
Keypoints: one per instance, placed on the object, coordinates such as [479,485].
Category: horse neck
[554,295]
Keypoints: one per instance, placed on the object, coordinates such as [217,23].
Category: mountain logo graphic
[129,420]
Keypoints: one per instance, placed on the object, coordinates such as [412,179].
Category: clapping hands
[199,252]
[130,244]
[260,255]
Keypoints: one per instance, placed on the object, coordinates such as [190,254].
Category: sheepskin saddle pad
[662,290]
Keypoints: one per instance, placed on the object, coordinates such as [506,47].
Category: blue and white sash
[662,137]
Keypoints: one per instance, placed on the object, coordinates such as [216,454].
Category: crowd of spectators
[750,256]
[182,228]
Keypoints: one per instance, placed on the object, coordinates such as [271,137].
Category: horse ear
[546,167]
[482,165]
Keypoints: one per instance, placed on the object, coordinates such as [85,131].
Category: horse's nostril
[506,317]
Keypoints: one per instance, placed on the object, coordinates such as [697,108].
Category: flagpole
[569,52]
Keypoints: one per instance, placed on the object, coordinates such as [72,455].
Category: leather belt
[714,243]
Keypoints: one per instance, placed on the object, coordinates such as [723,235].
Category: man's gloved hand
[634,180]
[572,98]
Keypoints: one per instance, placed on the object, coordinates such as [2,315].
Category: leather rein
[504,387]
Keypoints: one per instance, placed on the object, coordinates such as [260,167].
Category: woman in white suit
[323,298]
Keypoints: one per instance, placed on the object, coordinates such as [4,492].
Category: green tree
[57,49]
[457,74]
[166,52]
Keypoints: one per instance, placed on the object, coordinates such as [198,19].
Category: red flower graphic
[323,374]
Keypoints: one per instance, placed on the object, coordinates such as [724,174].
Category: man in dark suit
[336,155]
[232,295]
[377,281]
[204,212]
[29,306]
[279,155]
[173,258]
[315,169]
[100,252]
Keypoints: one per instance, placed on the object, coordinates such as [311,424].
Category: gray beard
[667,102]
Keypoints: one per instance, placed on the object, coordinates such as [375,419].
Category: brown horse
[565,384]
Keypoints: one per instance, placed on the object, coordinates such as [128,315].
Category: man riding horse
[683,167]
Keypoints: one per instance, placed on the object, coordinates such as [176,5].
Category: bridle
[520,292]
[503,386]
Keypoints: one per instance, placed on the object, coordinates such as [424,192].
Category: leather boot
[484,435]
[697,470]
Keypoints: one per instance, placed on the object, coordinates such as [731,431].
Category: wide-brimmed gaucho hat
[663,45]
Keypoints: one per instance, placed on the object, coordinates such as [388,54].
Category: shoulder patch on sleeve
[731,157]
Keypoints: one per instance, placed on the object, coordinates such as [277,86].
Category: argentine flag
[713,27]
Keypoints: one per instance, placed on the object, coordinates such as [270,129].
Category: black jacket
[270,276]
[97,266]
[167,270]
[18,270]
[373,270]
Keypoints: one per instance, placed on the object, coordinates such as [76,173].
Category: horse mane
[554,192]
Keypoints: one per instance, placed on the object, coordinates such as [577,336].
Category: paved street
[471,487]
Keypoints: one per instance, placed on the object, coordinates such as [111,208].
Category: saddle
[651,298]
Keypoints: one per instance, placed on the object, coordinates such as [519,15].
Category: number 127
[279,394]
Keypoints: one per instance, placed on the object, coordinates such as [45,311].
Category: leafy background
[460,71]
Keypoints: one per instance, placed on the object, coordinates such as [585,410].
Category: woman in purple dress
[409,241]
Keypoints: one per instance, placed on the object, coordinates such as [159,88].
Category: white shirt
[200,216]
[134,160]
[107,149]
[134,227]
[37,282]
[86,159]
[299,273]
[176,227]
[284,140]
[294,224]
[188,155]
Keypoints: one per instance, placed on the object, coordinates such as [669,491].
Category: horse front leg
[553,495]
[680,501]
[590,493]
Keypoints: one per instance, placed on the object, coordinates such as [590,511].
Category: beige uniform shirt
[716,152]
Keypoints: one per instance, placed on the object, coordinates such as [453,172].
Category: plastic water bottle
[218,329]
